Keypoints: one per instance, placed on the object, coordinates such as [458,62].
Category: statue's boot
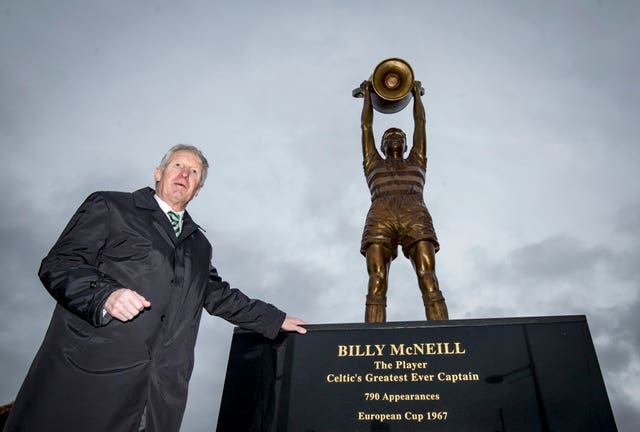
[434,306]
[376,310]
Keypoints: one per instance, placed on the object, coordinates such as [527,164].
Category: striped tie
[174,218]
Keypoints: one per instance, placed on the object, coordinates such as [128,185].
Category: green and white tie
[174,218]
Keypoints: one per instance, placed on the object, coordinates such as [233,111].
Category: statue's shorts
[398,220]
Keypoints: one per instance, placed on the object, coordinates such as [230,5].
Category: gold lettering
[378,416]
[413,416]
[360,350]
[415,377]
[397,350]
[424,348]
[454,378]
[343,378]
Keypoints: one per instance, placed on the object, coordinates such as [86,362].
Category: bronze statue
[398,214]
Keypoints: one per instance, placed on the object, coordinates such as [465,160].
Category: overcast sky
[532,124]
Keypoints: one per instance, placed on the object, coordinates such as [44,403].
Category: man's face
[179,182]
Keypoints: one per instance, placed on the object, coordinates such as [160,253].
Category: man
[398,215]
[131,274]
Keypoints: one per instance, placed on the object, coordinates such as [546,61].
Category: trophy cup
[392,80]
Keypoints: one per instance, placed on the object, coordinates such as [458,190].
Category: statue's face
[394,142]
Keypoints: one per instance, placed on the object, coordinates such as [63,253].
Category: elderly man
[398,215]
[131,274]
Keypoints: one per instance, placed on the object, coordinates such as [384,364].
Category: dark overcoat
[94,376]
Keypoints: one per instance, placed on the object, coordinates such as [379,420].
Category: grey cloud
[540,273]
[532,112]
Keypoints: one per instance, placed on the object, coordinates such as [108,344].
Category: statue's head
[393,141]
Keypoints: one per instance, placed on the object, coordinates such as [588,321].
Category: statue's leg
[378,262]
[423,258]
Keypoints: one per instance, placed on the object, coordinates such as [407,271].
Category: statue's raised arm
[368,141]
[419,149]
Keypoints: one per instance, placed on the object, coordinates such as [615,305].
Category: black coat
[90,376]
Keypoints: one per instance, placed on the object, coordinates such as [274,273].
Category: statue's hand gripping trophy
[398,215]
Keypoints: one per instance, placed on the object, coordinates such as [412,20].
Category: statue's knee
[425,273]
[378,276]
[378,282]
[427,281]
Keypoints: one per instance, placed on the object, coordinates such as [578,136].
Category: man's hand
[125,304]
[293,324]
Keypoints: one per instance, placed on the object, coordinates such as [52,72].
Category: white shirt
[166,208]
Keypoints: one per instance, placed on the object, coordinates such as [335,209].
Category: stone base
[516,374]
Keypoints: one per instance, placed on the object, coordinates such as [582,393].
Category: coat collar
[143,198]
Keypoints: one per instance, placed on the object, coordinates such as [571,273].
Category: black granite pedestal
[517,374]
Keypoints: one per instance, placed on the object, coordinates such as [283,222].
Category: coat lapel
[143,198]
[188,227]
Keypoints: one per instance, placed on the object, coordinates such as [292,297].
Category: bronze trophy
[398,215]
[392,81]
